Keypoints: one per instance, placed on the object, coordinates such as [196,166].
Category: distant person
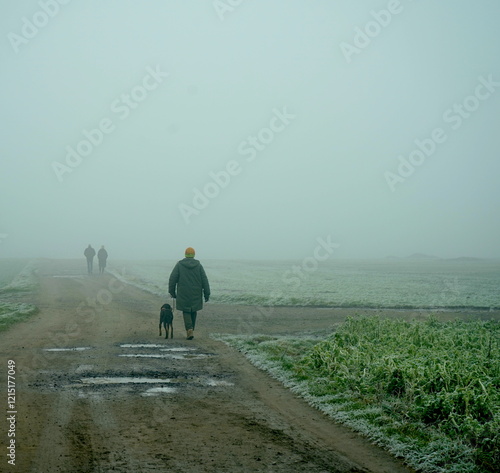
[188,284]
[89,254]
[102,256]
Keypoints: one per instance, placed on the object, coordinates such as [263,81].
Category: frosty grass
[12,311]
[429,392]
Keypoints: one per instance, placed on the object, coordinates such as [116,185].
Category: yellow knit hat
[189,253]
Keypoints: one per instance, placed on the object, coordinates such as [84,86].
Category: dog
[167,320]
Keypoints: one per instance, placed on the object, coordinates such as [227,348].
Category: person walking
[102,256]
[89,254]
[188,284]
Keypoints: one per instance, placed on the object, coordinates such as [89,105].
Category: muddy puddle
[141,345]
[158,391]
[123,380]
[218,382]
[154,378]
[200,381]
[96,386]
[68,349]
[173,356]
[155,350]
[156,345]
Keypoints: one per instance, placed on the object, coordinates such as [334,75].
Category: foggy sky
[249,129]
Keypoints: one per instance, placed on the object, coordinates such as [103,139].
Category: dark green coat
[188,283]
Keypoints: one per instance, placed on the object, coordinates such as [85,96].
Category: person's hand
[173,296]
[206,298]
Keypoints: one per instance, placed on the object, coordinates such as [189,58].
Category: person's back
[188,283]
[89,253]
[102,256]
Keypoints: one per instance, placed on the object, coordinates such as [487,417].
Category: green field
[17,278]
[429,392]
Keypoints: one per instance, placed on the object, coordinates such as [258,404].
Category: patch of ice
[217,382]
[159,390]
[141,345]
[123,380]
[166,355]
[90,395]
[68,349]
[178,349]
[153,355]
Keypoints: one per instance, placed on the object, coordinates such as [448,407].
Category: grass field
[17,277]
[428,391]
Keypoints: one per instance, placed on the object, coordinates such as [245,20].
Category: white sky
[329,169]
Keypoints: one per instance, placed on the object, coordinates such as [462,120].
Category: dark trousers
[189,320]
[90,264]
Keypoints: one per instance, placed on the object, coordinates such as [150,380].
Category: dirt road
[125,400]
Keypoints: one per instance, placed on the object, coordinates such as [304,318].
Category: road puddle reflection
[123,380]
[68,349]
[141,345]
[159,390]
[166,355]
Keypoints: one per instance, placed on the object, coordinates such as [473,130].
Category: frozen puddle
[175,353]
[159,390]
[90,395]
[68,349]
[178,349]
[155,345]
[141,345]
[165,355]
[217,382]
[160,385]
[124,380]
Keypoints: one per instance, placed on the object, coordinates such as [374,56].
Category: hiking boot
[190,335]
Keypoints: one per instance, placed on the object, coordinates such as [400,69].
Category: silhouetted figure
[102,256]
[188,284]
[89,254]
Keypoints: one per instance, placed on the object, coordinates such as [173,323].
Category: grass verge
[11,309]
[11,313]
[429,392]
